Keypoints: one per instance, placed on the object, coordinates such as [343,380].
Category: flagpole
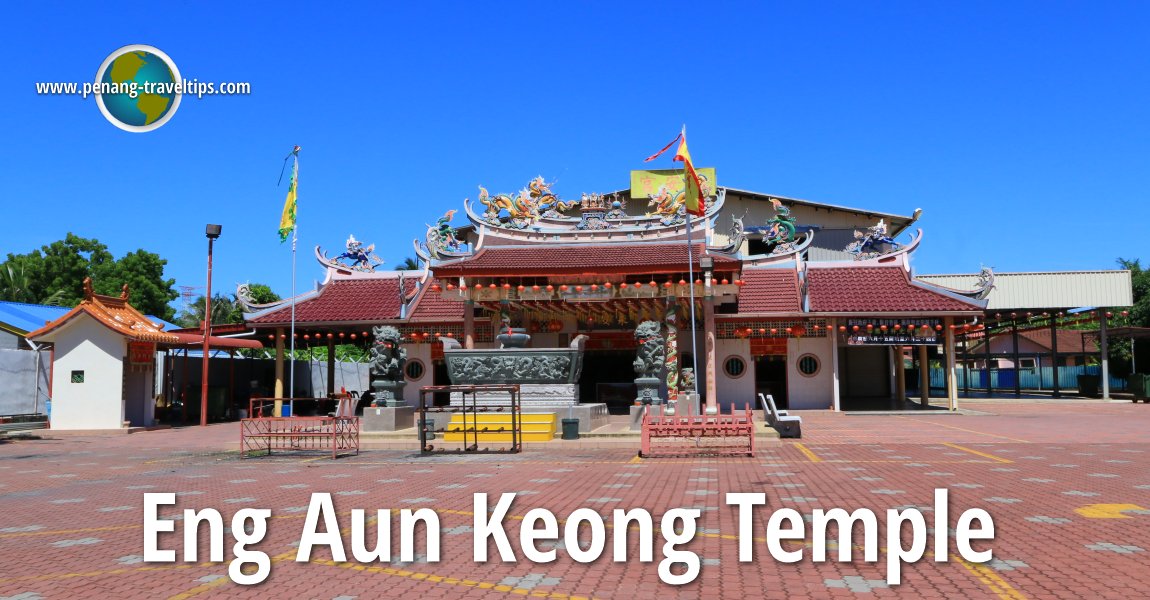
[691,285]
[294,238]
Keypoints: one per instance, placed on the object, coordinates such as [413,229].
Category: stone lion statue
[388,357]
[650,355]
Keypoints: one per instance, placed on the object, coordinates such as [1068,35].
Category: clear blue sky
[1020,128]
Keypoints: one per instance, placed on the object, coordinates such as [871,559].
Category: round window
[734,367]
[808,365]
[414,369]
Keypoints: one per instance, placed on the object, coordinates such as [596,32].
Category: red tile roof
[875,290]
[118,315]
[354,299]
[114,313]
[536,260]
[769,290]
[431,307]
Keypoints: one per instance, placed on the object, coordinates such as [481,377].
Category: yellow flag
[692,187]
[287,219]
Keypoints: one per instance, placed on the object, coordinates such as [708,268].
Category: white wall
[817,391]
[422,353]
[734,391]
[85,345]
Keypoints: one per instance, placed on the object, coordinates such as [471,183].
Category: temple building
[813,303]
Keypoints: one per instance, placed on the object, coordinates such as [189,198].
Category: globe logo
[138,88]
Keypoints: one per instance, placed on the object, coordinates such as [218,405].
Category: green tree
[408,264]
[223,311]
[143,273]
[15,286]
[1140,280]
[55,273]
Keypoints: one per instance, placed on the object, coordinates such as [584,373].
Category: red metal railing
[731,434]
[263,434]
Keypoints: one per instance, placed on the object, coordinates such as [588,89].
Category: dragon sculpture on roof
[668,203]
[356,257]
[870,244]
[523,210]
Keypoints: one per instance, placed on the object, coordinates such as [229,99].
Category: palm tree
[15,287]
[408,264]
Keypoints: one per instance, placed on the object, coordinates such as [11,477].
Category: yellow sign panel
[1107,511]
[646,184]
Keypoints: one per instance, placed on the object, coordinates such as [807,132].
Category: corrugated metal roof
[30,317]
[1060,289]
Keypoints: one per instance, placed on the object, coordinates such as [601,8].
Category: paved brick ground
[70,509]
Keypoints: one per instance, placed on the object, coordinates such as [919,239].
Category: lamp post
[212,232]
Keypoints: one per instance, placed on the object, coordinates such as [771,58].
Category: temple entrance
[866,378]
[609,378]
[771,378]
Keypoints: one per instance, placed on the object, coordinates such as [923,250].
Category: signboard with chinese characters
[893,332]
[646,184]
[141,353]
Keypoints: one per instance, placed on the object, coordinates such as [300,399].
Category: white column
[709,328]
[835,405]
[951,373]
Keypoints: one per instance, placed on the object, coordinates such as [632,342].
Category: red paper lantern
[668,285]
[341,335]
[435,288]
[869,326]
[579,288]
[842,328]
[506,286]
[463,287]
[450,335]
[594,288]
[830,327]
[854,327]
[762,330]
[450,286]
[774,330]
[272,337]
[607,285]
[897,327]
[739,282]
[623,285]
[790,329]
[698,282]
[550,288]
[724,282]
[521,288]
[682,282]
[563,288]
[653,284]
[306,337]
[492,286]
[938,327]
[353,336]
[535,288]
[330,336]
[882,327]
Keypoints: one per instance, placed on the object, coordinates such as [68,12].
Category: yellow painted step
[533,427]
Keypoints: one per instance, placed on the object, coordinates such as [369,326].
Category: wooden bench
[731,434]
[788,426]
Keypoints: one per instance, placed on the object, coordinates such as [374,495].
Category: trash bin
[285,411]
[1088,385]
[1140,386]
[570,429]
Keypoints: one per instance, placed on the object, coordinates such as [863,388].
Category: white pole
[294,237]
[691,286]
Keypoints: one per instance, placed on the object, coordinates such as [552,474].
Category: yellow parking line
[919,419]
[807,452]
[990,579]
[976,452]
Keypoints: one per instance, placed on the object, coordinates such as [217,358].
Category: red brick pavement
[71,509]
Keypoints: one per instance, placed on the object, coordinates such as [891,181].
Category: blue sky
[1020,128]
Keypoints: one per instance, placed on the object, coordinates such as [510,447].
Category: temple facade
[813,303]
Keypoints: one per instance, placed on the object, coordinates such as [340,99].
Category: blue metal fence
[1035,379]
